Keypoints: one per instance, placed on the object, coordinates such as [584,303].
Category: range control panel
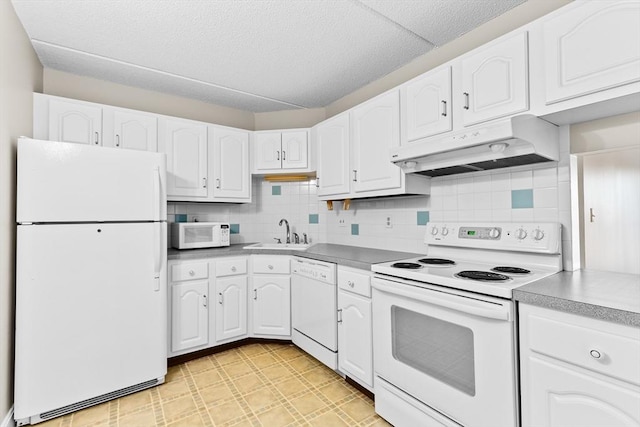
[526,237]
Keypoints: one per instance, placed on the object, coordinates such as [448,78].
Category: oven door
[452,350]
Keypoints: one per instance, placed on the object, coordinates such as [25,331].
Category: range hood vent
[516,141]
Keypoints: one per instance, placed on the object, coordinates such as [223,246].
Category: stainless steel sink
[278,246]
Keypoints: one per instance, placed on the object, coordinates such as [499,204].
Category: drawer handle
[192,273]
[339,315]
[350,283]
[233,269]
[270,267]
[595,354]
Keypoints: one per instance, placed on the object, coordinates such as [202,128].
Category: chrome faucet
[288,229]
[296,238]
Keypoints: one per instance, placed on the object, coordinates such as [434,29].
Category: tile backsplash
[538,193]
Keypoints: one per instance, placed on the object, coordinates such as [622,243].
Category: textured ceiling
[255,55]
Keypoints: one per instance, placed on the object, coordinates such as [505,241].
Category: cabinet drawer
[231,267]
[608,348]
[271,264]
[189,271]
[354,281]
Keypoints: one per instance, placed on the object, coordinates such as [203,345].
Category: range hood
[515,141]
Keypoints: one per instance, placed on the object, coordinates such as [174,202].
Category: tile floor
[267,385]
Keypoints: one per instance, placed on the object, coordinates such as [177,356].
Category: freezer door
[65,182]
[90,311]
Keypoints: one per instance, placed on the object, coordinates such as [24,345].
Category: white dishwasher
[314,309]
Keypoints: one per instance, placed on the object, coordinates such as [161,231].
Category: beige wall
[89,89]
[289,119]
[605,134]
[20,75]
[504,23]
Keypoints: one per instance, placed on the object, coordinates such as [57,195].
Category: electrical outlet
[388,222]
[342,222]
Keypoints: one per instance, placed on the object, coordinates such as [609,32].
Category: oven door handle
[455,302]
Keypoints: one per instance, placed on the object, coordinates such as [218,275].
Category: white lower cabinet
[355,337]
[578,371]
[271,296]
[189,305]
[231,286]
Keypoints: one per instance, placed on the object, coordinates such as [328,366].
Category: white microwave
[192,235]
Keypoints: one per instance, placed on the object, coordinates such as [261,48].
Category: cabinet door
[591,46]
[558,396]
[185,144]
[355,344]
[427,103]
[267,151]
[231,308]
[189,315]
[294,150]
[375,128]
[132,130]
[332,141]
[495,81]
[272,305]
[231,164]
[74,122]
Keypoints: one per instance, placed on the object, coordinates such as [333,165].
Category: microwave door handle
[454,302]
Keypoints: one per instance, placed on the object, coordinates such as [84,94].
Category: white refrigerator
[90,276]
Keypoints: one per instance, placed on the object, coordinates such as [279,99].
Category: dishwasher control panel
[316,270]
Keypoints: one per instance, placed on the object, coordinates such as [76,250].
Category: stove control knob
[444,231]
[434,231]
[538,234]
[521,233]
[494,233]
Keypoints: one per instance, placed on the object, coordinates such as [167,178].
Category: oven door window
[440,349]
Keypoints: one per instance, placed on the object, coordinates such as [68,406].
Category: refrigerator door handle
[157,256]
[157,197]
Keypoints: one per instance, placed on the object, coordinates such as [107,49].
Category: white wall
[20,75]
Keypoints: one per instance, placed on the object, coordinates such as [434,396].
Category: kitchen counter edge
[602,295]
[348,256]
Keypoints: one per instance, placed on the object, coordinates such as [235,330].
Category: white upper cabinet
[281,151]
[353,153]
[267,151]
[295,150]
[495,80]
[375,128]
[591,46]
[426,105]
[130,129]
[332,145]
[73,121]
[185,144]
[230,160]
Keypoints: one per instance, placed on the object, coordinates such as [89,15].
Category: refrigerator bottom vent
[96,400]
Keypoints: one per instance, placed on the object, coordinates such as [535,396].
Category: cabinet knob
[192,273]
[350,283]
[595,354]
[270,267]
[233,269]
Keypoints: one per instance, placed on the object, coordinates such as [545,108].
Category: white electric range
[445,348]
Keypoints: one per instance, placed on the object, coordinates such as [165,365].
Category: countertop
[600,294]
[350,256]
